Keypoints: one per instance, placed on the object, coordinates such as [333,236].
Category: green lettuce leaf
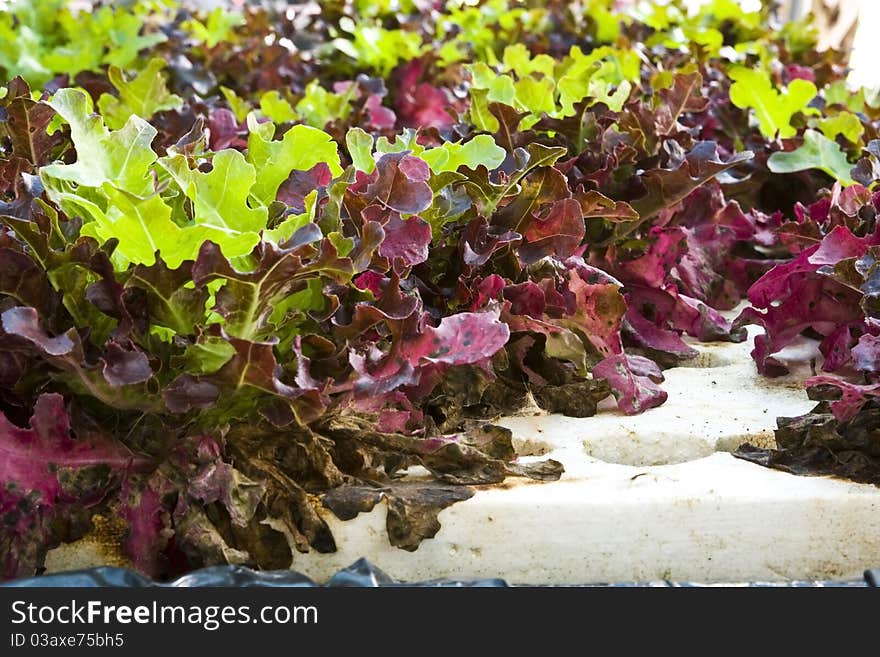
[301,148]
[121,158]
[817,152]
[220,204]
[773,109]
[481,150]
[143,96]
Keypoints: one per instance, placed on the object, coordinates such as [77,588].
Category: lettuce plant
[256,267]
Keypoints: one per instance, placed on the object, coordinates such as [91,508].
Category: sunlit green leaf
[817,152]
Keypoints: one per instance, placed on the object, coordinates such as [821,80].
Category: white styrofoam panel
[710,520]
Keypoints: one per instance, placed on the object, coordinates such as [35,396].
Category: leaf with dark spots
[460,339]
[526,299]
[11,178]
[30,454]
[633,380]
[668,307]
[23,187]
[598,310]
[400,183]
[559,233]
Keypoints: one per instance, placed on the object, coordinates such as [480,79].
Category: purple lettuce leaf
[300,184]
[25,123]
[633,380]
[480,242]
[45,472]
[667,187]
[163,508]
[463,338]
[846,399]
[559,233]
[800,294]
[406,239]
[421,104]
[118,377]
[399,183]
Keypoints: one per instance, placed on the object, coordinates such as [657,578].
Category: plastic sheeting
[361,574]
